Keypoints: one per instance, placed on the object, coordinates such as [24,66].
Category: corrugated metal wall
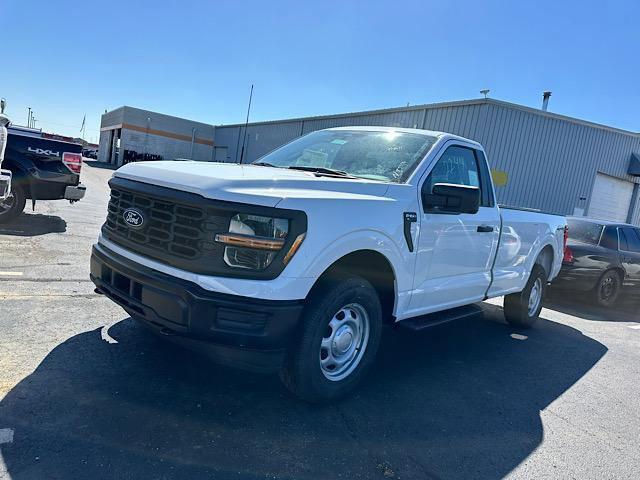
[551,161]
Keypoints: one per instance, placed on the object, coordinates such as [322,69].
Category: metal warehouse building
[552,162]
[129,134]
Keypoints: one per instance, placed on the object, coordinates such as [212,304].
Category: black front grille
[179,230]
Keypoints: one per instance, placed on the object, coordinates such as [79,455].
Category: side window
[487,199]
[623,240]
[610,238]
[633,240]
[458,166]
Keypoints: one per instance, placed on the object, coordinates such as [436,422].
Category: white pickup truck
[295,262]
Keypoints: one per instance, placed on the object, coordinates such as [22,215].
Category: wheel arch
[374,267]
[545,258]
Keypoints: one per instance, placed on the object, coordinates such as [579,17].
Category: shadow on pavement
[579,305]
[461,400]
[33,224]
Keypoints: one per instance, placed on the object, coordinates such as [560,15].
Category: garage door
[610,198]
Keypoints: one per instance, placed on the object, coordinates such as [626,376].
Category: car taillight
[568,254]
[73,161]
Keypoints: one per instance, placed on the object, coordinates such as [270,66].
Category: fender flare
[360,240]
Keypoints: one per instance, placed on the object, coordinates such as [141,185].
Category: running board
[438,318]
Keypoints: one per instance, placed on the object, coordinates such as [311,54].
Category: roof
[478,101]
[417,131]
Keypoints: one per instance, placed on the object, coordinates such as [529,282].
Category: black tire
[13,205]
[608,288]
[302,373]
[517,311]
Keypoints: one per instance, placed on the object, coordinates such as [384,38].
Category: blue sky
[198,59]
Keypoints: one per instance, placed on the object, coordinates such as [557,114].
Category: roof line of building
[477,101]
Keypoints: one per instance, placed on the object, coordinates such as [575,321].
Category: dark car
[601,257]
[43,167]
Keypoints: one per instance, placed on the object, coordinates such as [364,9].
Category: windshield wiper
[264,164]
[322,170]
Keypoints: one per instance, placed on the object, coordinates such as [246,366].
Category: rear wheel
[522,309]
[340,334]
[13,205]
[608,288]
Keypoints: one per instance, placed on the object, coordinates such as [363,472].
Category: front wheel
[13,205]
[522,309]
[338,341]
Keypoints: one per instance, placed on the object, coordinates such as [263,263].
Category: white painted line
[635,327]
[6,435]
[517,336]
[11,274]
[104,333]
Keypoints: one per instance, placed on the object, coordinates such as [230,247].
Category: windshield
[585,232]
[387,156]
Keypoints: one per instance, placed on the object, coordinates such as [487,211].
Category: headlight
[253,241]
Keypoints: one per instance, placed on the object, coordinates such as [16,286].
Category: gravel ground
[85,392]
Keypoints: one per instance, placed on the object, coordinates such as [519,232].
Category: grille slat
[173,229]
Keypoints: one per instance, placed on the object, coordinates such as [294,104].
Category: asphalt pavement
[85,392]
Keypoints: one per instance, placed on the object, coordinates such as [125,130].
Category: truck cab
[294,263]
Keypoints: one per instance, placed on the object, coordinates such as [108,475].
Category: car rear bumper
[238,331]
[572,278]
[75,192]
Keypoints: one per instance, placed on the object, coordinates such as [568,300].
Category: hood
[252,184]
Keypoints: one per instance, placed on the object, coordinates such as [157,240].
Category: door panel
[454,251]
[630,254]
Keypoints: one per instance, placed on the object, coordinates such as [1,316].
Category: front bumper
[242,332]
[5,183]
[75,193]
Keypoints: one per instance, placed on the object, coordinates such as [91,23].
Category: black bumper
[580,279]
[238,331]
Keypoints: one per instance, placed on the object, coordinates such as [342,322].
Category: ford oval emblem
[133,217]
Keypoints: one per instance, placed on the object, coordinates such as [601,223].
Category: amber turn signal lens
[294,248]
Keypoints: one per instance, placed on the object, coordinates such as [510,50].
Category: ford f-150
[43,167]
[295,262]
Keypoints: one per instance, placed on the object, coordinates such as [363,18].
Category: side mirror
[451,198]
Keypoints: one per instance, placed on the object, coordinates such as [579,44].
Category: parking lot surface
[85,392]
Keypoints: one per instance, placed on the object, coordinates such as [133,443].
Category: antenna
[246,123]
[485,92]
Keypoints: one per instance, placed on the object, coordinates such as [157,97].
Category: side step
[437,318]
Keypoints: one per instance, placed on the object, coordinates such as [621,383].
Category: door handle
[485,228]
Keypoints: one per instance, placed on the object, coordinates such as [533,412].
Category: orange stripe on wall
[160,133]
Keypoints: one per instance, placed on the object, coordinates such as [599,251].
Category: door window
[609,238]
[457,166]
[632,239]
[487,199]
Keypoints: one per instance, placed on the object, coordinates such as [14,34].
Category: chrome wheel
[344,342]
[535,297]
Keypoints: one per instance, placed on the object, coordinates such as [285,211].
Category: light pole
[29,117]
